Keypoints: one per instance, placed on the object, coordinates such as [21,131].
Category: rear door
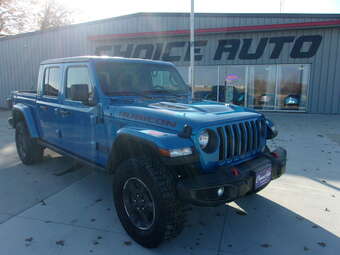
[48,104]
[78,119]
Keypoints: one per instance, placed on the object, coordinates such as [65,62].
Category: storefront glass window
[235,83]
[206,80]
[263,87]
[292,87]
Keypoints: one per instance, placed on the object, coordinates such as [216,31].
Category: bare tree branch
[24,16]
[54,14]
[13,16]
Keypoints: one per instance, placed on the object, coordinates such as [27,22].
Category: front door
[78,119]
[48,104]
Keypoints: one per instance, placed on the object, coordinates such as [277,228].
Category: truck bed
[27,97]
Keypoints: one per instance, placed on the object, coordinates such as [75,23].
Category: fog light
[220,191]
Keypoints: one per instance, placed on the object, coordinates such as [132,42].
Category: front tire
[146,201]
[28,149]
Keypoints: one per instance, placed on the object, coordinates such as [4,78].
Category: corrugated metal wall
[20,55]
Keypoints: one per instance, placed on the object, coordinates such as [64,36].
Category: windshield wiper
[164,92]
[127,93]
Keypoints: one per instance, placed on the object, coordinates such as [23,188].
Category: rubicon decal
[145,118]
[305,46]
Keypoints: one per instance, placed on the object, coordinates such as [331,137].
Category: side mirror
[80,92]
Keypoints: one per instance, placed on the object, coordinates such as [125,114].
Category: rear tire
[159,187]
[28,149]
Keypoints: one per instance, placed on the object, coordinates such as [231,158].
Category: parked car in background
[292,100]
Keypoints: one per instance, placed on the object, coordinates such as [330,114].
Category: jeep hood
[174,116]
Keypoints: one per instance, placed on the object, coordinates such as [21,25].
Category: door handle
[64,112]
[43,107]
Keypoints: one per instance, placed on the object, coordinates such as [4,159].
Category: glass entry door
[292,87]
[261,89]
[235,82]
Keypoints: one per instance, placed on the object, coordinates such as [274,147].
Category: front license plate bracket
[263,176]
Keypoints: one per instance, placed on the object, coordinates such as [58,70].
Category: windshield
[139,79]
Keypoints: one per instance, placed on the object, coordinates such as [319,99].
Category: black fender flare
[23,112]
[126,145]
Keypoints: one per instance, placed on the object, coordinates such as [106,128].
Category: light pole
[192,47]
[282,2]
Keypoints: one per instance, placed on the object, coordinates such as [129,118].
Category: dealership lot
[54,208]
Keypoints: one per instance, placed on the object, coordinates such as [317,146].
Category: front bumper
[202,190]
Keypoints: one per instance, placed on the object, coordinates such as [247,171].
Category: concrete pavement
[43,212]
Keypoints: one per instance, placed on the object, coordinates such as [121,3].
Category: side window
[78,83]
[51,85]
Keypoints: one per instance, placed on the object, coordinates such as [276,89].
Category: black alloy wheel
[139,203]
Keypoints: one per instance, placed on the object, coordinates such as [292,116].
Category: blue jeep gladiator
[136,119]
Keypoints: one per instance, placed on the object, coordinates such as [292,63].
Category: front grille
[241,139]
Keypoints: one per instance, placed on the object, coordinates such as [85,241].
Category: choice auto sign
[305,46]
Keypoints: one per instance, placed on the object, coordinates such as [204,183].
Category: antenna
[192,54]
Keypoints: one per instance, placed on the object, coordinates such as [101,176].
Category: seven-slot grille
[240,139]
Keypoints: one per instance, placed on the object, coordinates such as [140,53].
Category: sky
[88,10]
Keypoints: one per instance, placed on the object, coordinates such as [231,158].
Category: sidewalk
[296,214]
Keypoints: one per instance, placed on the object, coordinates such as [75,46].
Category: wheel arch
[126,146]
[22,112]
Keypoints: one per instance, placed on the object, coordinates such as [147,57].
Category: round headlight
[203,139]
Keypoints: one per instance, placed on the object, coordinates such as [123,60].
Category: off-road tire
[28,149]
[169,211]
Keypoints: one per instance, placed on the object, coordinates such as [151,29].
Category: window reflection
[206,80]
[261,92]
[263,87]
[235,82]
[292,87]
[51,85]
